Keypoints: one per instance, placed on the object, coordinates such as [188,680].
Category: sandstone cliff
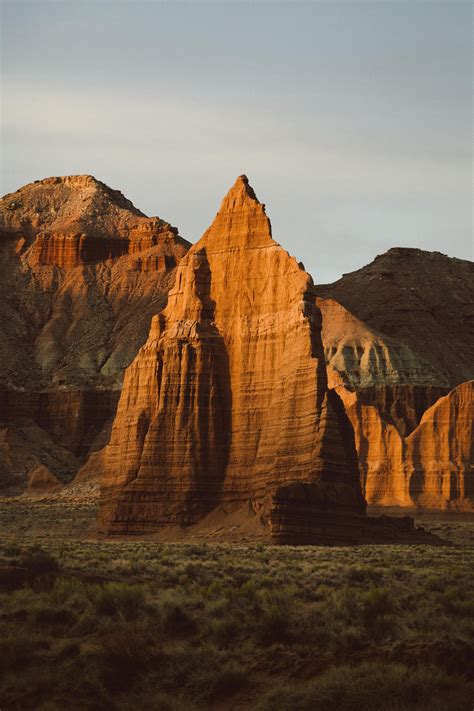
[227,402]
[83,272]
[398,335]
[429,466]
[440,452]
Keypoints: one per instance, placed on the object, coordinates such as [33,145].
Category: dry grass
[122,625]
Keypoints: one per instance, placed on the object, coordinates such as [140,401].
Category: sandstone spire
[241,220]
[227,402]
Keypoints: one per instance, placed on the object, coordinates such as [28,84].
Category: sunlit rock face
[429,466]
[440,452]
[228,400]
[398,335]
[84,272]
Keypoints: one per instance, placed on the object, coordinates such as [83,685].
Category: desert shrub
[69,650]
[120,600]
[12,550]
[148,699]
[455,602]
[363,574]
[344,603]
[369,686]
[41,567]
[376,602]
[126,652]
[314,625]
[274,622]
[177,621]
[227,682]
[224,631]
[192,570]
[70,592]
[191,669]
[377,611]
[199,551]
[349,638]
[19,649]
[52,616]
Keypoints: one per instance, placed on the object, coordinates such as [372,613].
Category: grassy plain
[87,624]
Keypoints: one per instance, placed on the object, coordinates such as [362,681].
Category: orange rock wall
[402,404]
[441,452]
[69,251]
[228,398]
[430,468]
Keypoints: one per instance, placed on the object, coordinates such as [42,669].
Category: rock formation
[420,307]
[430,468]
[440,453]
[227,402]
[83,272]
[26,451]
[398,336]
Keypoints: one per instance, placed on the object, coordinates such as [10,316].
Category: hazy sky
[352,120]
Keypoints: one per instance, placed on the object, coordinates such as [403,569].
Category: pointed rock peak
[240,222]
[242,184]
[240,195]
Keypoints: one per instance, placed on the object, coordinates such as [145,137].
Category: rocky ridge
[83,272]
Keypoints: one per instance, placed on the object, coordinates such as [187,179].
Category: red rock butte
[227,402]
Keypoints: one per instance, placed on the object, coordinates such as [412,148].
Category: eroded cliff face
[227,402]
[441,452]
[83,272]
[418,301]
[398,336]
[429,467]
[368,358]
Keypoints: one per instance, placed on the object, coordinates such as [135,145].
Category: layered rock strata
[409,318]
[74,419]
[83,272]
[227,400]
[29,455]
[431,467]
[440,453]
[398,335]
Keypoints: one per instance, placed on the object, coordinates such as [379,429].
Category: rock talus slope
[227,401]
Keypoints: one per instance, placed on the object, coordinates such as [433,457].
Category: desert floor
[97,624]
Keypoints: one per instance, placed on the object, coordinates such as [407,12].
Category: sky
[352,120]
